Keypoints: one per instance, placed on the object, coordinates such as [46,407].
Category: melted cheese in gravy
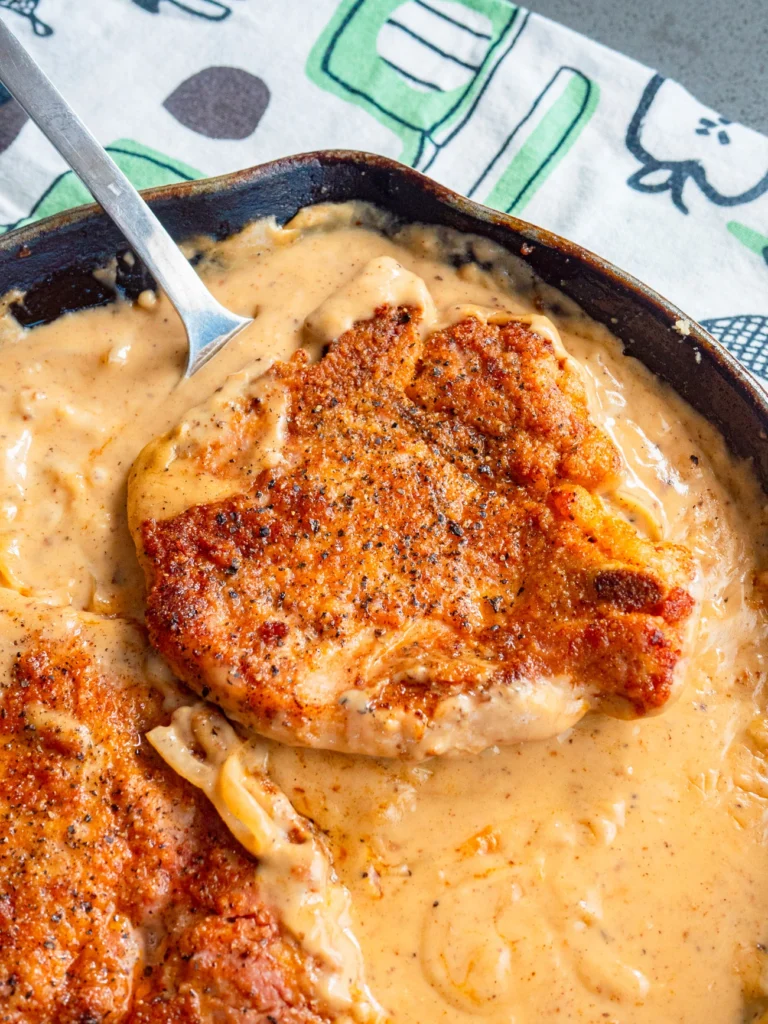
[616,873]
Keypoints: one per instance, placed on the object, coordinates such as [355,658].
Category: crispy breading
[502,397]
[424,566]
[123,897]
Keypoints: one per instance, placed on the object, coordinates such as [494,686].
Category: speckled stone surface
[718,49]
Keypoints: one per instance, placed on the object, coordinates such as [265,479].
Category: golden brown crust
[521,408]
[122,895]
[433,510]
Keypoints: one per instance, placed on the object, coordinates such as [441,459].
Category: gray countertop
[718,49]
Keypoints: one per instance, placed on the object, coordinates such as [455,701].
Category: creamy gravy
[617,873]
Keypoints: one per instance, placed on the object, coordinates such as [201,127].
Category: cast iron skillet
[51,261]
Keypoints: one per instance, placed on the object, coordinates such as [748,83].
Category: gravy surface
[617,873]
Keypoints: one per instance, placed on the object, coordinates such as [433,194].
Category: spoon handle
[208,324]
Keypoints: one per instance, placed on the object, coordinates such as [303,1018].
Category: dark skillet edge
[52,261]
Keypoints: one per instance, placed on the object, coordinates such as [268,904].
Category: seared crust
[429,545]
[122,895]
[501,397]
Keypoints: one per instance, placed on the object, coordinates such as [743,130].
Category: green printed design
[345,61]
[422,69]
[546,146]
[144,167]
[752,239]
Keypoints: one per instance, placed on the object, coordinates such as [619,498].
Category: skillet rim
[697,366]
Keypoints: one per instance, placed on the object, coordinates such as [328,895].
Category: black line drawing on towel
[27,9]
[745,337]
[445,77]
[578,99]
[386,56]
[211,10]
[678,140]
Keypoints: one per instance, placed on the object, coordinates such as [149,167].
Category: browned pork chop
[123,897]
[399,550]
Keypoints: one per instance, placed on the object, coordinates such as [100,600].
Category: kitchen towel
[494,101]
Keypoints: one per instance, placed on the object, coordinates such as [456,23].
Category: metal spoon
[208,324]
